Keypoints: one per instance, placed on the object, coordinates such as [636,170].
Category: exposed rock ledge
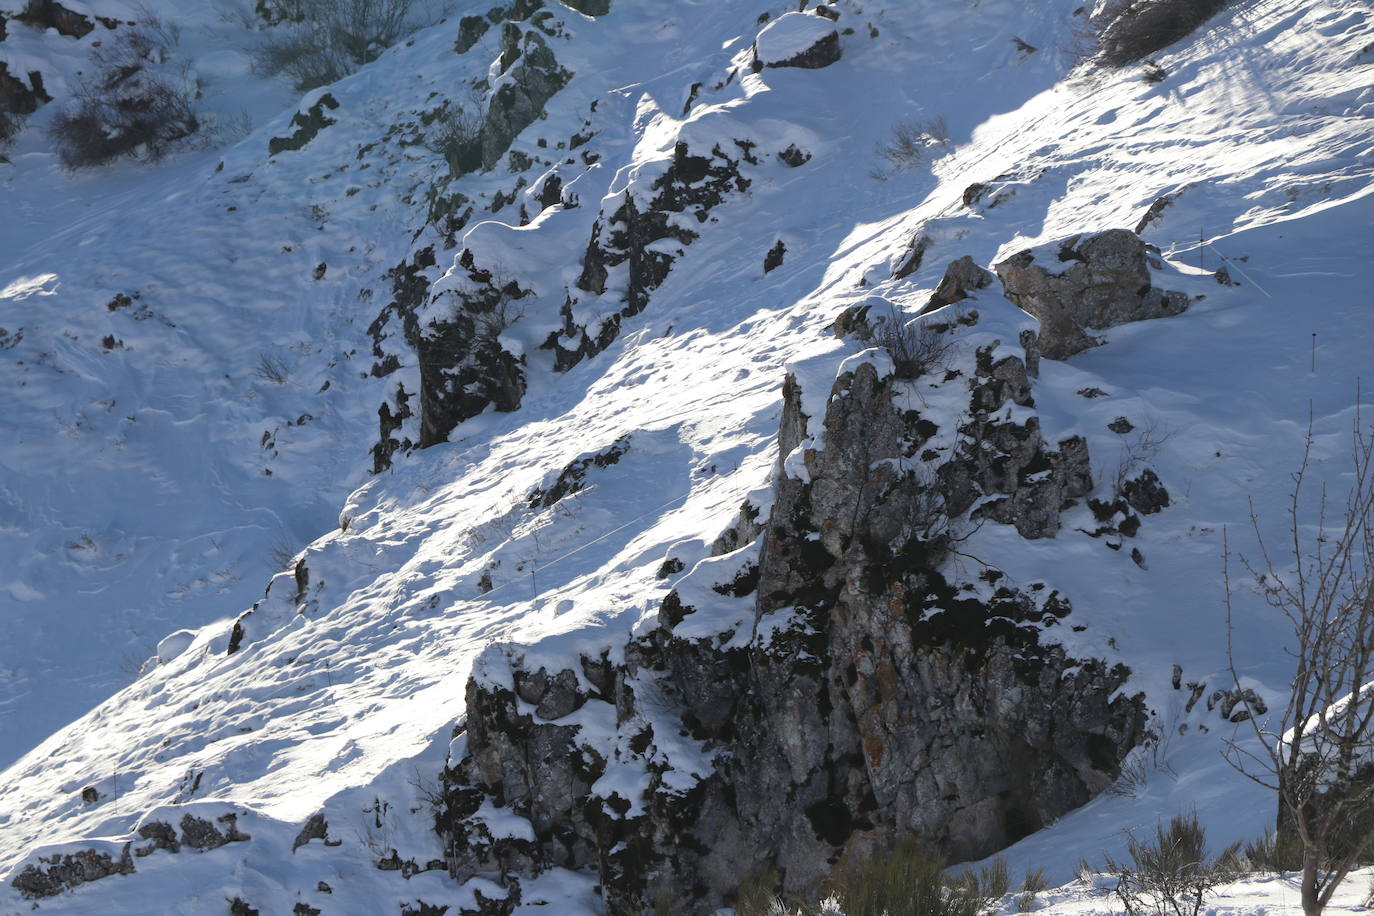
[830,687]
[1107,283]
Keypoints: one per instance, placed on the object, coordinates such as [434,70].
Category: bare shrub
[271,369]
[457,136]
[912,143]
[987,886]
[135,103]
[756,896]
[917,347]
[1034,883]
[1173,875]
[1127,31]
[1319,758]
[1137,453]
[283,556]
[317,42]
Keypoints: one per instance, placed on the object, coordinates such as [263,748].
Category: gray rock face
[198,833]
[159,836]
[1106,283]
[962,278]
[316,828]
[888,699]
[463,367]
[535,77]
[1008,465]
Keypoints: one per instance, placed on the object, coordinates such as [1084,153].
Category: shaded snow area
[241,630]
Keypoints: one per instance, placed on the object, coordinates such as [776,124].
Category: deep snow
[136,499]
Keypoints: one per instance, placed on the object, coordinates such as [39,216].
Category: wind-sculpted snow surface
[582,332]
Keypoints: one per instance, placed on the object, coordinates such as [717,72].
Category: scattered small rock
[773,259]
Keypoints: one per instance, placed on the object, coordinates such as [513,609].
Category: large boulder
[1085,283]
[797,40]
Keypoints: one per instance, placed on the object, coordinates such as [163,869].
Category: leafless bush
[1174,875]
[912,143]
[916,346]
[1126,31]
[228,129]
[1137,453]
[316,42]
[271,369]
[1319,757]
[1152,757]
[1274,852]
[135,103]
[457,136]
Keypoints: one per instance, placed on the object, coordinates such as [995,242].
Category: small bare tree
[1319,758]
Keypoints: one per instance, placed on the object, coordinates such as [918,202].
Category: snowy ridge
[136,491]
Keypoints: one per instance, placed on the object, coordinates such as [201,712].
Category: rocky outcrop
[809,41]
[464,368]
[47,14]
[307,124]
[397,326]
[1106,283]
[19,98]
[534,77]
[820,691]
[529,75]
[50,875]
[1134,30]
[623,242]
[455,335]
[962,279]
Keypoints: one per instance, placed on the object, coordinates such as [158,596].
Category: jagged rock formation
[866,692]
[1107,283]
[463,366]
[533,76]
[622,254]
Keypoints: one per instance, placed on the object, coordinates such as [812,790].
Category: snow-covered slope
[147,481]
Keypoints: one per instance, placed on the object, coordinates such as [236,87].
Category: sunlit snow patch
[24,287]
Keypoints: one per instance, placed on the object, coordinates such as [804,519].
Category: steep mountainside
[624,533]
